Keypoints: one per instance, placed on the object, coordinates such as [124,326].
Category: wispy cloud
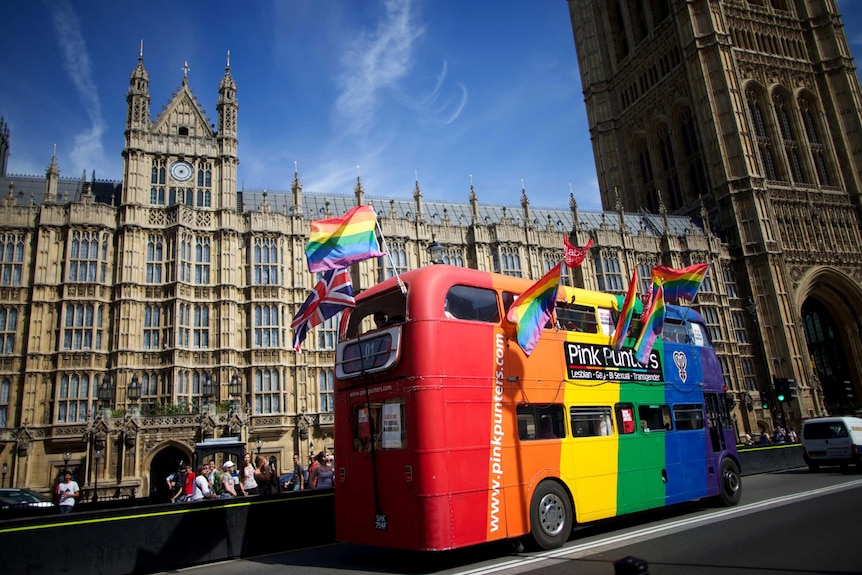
[374,61]
[87,148]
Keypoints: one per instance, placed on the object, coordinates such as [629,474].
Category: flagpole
[386,251]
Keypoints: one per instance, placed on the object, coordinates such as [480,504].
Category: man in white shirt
[202,485]
[68,491]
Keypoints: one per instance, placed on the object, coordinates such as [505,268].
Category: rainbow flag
[651,326]
[680,284]
[338,242]
[626,313]
[533,308]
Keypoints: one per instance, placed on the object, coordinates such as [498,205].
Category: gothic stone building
[141,318]
[749,111]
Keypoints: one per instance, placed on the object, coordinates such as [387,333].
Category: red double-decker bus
[448,435]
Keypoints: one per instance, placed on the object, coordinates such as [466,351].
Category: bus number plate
[380,522]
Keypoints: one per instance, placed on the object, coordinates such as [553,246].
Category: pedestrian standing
[68,491]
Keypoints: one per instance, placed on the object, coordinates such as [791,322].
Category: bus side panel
[539,379]
[686,462]
[643,450]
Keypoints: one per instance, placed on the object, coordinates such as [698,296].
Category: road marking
[655,531]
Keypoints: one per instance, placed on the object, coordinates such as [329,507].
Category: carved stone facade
[172,279]
[748,110]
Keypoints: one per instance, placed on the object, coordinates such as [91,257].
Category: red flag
[575,255]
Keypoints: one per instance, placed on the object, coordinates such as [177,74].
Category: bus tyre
[730,488]
[550,515]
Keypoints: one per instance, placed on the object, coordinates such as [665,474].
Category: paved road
[792,522]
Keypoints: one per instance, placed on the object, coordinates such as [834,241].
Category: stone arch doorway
[165,462]
[830,314]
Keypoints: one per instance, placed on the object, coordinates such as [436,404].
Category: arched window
[761,135]
[815,141]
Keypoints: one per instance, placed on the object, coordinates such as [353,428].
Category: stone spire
[417,199]
[358,190]
[52,179]
[474,203]
[138,96]
[296,188]
[227,106]
[525,204]
[573,206]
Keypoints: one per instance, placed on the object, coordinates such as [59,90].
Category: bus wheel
[550,516]
[730,490]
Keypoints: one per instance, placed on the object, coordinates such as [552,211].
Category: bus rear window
[478,304]
[380,423]
[380,351]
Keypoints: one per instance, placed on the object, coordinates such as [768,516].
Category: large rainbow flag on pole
[679,284]
[533,308]
[336,243]
[651,326]
[626,313]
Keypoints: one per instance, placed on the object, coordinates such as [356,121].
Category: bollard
[631,566]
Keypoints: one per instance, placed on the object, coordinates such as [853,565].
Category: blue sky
[389,89]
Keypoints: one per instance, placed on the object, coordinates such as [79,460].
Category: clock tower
[179,158]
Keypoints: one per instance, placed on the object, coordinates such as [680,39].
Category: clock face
[181,171]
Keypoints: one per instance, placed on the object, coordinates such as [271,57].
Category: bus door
[714,405]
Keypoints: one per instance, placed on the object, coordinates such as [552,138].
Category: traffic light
[782,388]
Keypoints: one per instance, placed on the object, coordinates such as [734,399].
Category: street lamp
[435,250]
[66,457]
[234,388]
[106,392]
[134,389]
[207,388]
[258,444]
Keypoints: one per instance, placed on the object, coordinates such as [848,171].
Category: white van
[832,441]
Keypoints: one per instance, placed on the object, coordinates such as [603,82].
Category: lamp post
[234,388]
[106,392]
[134,389]
[207,388]
[98,458]
[5,471]
[66,457]
[435,251]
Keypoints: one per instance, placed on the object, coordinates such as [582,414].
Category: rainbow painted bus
[448,435]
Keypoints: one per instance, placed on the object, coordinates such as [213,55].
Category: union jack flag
[333,293]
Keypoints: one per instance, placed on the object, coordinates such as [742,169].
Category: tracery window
[267,391]
[8,329]
[815,142]
[152,326]
[608,275]
[267,261]
[266,326]
[155,259]
[74,396]
[86,263]
[83,327]
[507,261]
[202,261]
[764,144]
[325,382]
